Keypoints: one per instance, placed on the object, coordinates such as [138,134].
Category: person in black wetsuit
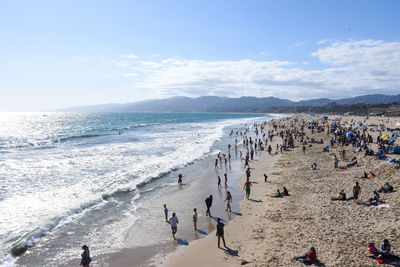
[208,205]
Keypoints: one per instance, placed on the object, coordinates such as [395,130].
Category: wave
[73,137]
[32,237]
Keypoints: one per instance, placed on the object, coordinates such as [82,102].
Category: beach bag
[87,260]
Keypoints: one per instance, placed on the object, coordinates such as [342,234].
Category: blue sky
[56,54]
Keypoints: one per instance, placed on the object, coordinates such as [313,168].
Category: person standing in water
[85,261]
[180,179]
[226,180]
[228,200]
[195,216]
[166,212]
[173,221]
[246,187]
[208,205]
[219,182]
[220,232]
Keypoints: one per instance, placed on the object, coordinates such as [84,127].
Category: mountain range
[226,104]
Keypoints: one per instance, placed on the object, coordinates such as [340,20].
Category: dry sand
[273,230]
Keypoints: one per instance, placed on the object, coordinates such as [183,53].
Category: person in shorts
[173,221]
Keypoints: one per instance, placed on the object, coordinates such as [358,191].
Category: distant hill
[226,104]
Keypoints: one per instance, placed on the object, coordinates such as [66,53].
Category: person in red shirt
[309,258]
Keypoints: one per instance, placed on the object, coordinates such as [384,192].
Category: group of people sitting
[282,194]
[383,252]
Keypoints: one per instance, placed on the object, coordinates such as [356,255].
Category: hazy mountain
[226,104]
[370,99]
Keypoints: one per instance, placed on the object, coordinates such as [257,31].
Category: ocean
[73,178]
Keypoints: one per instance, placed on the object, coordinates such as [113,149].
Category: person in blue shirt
[385,249]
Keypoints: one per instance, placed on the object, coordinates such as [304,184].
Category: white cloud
[120,64]
[131,56]
[299,44]
[352,68]
[265,54]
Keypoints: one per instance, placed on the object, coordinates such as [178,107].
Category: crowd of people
[294,134]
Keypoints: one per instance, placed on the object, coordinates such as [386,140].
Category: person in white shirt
[173,221]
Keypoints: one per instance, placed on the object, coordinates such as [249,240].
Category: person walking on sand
[335,161]
[208,205]
[265,177]
[86,259]
[220,232]
[195,216]
[219,182]
[356,191]
[166,212]
[173,221]
[246,187]
[228,201]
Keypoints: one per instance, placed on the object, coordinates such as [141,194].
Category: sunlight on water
[56,166]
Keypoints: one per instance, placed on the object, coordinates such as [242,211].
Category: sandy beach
[271,231]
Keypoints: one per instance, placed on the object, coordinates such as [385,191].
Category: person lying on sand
[352,164]
[309,258]
[341,196]
[314,167]
[375,200]
[386,188]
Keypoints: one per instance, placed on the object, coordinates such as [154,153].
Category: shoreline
[194,254]
[193,195]
[182,202]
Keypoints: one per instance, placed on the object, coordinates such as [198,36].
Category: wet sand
[149,239]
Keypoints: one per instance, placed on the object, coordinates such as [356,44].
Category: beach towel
[380,154]
[381,206]
[395,261]
[396,150]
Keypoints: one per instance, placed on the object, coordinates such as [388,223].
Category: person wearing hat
[85,256]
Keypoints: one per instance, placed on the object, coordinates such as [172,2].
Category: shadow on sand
[181,242]
[229,251]
[201,232]
[255,200]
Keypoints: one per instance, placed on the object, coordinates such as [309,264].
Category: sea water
[55,168]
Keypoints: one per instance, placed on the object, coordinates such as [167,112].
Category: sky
[56,54]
